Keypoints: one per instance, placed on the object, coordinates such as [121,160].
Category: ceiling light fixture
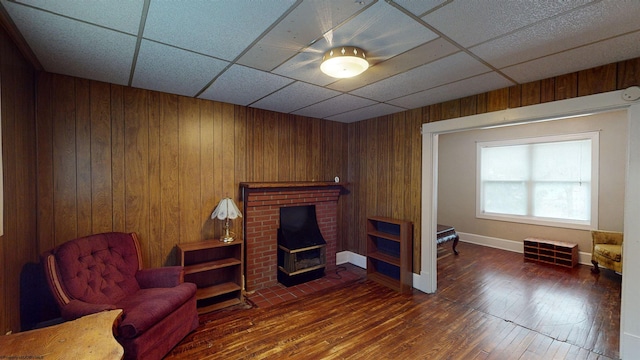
[344,62]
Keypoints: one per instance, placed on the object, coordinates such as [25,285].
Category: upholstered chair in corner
[104,272]
[607,250]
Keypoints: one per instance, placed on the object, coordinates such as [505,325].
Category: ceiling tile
[601,53]
[471,86]
[242,85]
[445,70]
[294,97]
[382,31]
[472,22]
[168,69]
[366,113]
[420,55]
[306,67]
[223,29]
[419,8]
[580,27]
[70,47]
[121,15]
[306,23]
[339,104]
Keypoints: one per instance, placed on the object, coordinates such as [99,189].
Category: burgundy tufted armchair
[104,271]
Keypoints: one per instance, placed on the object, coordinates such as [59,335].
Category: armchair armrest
[164,277]
[77,309]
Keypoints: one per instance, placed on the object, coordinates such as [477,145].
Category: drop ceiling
[266,53]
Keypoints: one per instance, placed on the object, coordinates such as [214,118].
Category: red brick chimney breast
[262,203]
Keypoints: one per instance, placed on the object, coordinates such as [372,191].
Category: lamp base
[226,239]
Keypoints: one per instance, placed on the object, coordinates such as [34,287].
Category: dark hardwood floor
[490,304]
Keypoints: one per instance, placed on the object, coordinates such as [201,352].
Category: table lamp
[226,210]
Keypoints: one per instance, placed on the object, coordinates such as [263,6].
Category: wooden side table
[446,233]
[90,337]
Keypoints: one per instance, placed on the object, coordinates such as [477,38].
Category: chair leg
[595,269]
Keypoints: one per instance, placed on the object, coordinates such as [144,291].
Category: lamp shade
[344,62]
[226,209]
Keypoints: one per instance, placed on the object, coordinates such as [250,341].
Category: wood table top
[90,337]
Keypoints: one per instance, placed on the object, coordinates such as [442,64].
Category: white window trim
[594,136]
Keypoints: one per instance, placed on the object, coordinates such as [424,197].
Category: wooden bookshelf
[217,270]
[389,252]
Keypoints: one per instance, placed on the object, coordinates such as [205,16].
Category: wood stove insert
[301,246]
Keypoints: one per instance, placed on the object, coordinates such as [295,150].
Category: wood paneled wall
[17,245]
[384,174]
[385,153]
[114,158]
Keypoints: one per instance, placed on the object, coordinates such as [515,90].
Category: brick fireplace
[262,203]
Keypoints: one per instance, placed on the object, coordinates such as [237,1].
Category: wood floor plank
[490,305]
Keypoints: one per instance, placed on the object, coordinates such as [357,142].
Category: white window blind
[545,180]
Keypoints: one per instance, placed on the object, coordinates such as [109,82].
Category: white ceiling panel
[306,23]
[575,29]
[471,22]
[382,31]
[218,28]
[413,58]
[378,45]
[368,112]
[121,15]
[419,8]
[294,97]
[475,85]
[267,53]
[337,105]
[75,48]
[242,85]
[440,72]
[168,69]
[620,48]
[306,67]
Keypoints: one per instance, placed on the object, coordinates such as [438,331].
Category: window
[548,180]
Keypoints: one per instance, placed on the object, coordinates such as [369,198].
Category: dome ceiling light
[344,62]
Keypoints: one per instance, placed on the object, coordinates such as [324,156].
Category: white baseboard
[343,257]
[358,260]
[510,245]
[584,258]
[488,241]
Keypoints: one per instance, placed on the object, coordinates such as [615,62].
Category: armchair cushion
[98,269]
[609,251]
[163,277]
[149,306]
[76,309]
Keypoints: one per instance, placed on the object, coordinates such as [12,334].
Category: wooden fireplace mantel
[289,184]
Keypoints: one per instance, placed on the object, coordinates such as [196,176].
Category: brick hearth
[262,203]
